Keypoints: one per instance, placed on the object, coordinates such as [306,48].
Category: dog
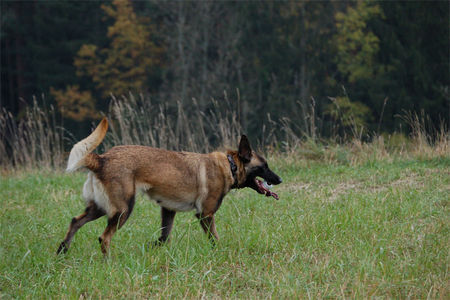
[177,181]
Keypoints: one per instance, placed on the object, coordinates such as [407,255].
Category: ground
[374,228]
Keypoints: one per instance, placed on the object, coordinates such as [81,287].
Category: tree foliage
[268,58]
[348,113]
[114,68]
[130,58]
[357,45]
[75,104]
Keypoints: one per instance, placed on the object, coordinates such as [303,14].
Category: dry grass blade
[34,141]
[139,121]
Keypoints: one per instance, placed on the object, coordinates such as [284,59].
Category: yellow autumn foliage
[75,104]
[123,66]
[131,56]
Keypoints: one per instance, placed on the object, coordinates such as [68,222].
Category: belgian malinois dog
[177,181]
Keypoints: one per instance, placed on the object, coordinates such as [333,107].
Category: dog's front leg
[209,226]
[167,217]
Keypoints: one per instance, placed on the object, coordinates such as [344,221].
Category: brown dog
[177,181]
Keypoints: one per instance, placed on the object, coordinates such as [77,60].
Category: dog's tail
[81,156]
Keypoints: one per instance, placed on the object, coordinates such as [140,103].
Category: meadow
[375,227]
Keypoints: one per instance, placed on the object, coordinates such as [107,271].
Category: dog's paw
[159,242]
[156,243]
[62,248]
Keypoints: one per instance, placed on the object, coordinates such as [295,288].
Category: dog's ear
[245,152]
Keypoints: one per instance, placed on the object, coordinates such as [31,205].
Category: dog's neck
[233,169]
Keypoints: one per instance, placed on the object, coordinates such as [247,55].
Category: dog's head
[255,166]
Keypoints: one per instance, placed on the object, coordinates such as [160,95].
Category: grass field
[378,228]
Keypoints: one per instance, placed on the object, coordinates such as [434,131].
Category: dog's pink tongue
[270,193]
[267,192]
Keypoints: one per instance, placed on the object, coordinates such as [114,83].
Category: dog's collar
[233,168]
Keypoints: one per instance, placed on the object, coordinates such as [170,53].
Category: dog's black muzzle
[271,177]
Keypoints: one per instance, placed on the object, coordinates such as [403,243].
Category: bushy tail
[80,152]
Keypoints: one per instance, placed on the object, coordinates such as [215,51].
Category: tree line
[267,60]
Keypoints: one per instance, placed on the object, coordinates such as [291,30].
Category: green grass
[379,228]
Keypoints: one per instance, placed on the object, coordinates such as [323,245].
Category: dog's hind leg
[91,213]
[111,228]
[209,226]
[167,217]
[114,223]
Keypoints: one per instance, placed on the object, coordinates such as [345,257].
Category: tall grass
[427,139]
[136,120]
[37,139]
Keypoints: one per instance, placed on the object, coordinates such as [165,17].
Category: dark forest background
[266,60]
